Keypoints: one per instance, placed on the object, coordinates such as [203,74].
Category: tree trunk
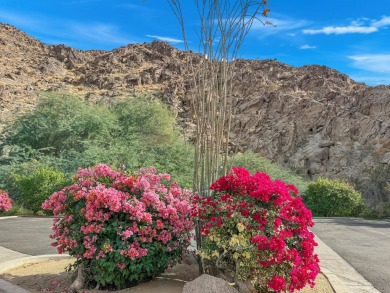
[79,283]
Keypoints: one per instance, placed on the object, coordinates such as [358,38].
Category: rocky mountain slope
[312,118]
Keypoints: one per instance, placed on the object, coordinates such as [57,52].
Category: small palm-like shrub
[255,233]
[333,198]
[123,229]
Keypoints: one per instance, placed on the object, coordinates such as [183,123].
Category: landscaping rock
[207,283]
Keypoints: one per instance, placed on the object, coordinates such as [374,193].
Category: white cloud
[383,22]
[67,31]
[280,24]
[340,30]
[359,26]
[166,39]
[18,20]
[372,80]
[99,32]
[305,47]
[372,62]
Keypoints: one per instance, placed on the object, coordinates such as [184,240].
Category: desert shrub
[17,169]
[35,187]
[333,198]
[175,158]
[62,122]
[5,201]
[122,228]
[375,189]
[66,132]
[255,162]
[148,121]
[255,232]
[17,209]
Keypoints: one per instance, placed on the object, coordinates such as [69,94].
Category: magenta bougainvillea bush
[5,201]
[123,229]
[256,230]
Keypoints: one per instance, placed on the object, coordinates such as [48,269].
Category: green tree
[66,132]
[62,122]
[147,121]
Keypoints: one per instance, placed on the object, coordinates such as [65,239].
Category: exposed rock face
[311,118]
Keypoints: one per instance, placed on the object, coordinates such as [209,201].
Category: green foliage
[254,162]
[66,132]
[17,210]
[62,122]
[333,198]
[36,186]
[147,121]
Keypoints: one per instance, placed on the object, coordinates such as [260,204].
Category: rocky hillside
[311,118]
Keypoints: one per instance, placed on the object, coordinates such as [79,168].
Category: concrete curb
[8,217]
[10,255]
[8,265]
[6,287]
[9,288]
[340,274]
[334,281]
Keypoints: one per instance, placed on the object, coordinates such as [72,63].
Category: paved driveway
[28,235]
[364,244]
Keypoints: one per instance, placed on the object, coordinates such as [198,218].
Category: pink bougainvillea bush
[5,201]
[255,231]
[123,229]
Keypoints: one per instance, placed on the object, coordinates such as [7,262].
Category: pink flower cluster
[110,215]
[275,222]
[5,201]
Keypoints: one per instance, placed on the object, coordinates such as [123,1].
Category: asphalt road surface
[28,235]
[364,244]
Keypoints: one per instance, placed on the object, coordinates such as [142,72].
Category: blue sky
[352,36]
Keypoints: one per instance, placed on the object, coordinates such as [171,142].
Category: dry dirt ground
[50,276]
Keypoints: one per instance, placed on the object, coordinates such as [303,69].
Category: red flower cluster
[5,201]
[255,218]
[111,220]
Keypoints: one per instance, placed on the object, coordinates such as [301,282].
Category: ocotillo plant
[224,24]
